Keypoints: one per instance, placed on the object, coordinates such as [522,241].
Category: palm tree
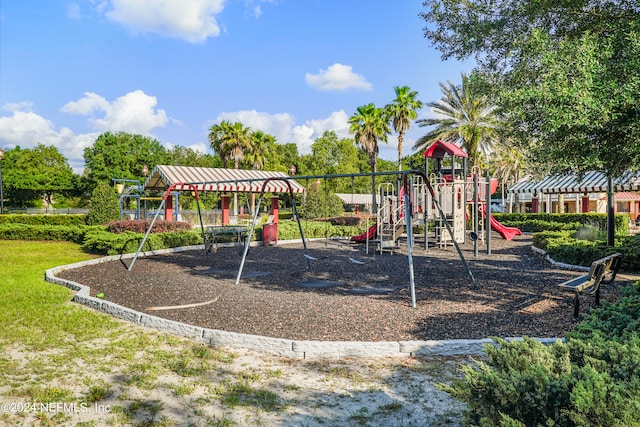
[465,116]
[217,135]
[256,156]
[260,143]
[231,141]
[507,162]
[402,110]
[370,125]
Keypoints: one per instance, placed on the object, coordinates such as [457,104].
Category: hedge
[534,222]
[75,234]
[71,219]
[562,246]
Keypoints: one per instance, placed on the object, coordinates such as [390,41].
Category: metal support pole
[476,212]
[611,219]
[487,208]
[408,221]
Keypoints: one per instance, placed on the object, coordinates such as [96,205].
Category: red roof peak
[438,149]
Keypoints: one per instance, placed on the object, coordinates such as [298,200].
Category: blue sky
[170,69]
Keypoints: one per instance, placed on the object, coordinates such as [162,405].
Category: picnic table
[225,233]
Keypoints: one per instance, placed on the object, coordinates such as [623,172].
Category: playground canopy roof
[218,179]
[591,182]
[438,149]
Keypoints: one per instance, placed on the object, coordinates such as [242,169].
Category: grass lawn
[64,364]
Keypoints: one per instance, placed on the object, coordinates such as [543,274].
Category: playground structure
[462,197]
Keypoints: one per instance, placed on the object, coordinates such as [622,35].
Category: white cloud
[337,77]
[284,128]
[192,20]
[278,125]
[18,106]
[134,112]
[255,7]
[27,129]
[73,11]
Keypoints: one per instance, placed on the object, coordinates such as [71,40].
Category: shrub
[102,242]
[320,204]
[74,234]
[71,219]
[533,222]
[141,226]
[104,206]
[591,380]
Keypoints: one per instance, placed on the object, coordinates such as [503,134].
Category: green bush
[320,204]
[591,380]
[71,219]
[288,230]
[103,242]
[104,205]
[141,226]
[534,222]
[563,247]
[74,234]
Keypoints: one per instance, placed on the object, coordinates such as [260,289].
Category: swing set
[407,193]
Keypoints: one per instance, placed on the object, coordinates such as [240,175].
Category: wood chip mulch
[516,292]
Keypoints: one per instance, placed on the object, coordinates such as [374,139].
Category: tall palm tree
[260,143]
[237,143]
[217,135]
[256,156]
[231,141]
[508,164]
[402,110]
[465,116]
[370,124]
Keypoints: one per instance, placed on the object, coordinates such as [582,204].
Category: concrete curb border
[295,349]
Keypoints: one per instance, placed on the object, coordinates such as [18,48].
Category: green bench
[602,271]
[224,233]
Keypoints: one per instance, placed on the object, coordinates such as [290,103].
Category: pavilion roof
[591,182]
[219,179]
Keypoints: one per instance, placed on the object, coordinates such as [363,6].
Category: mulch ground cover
[340,293]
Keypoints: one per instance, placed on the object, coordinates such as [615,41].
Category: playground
[348,295]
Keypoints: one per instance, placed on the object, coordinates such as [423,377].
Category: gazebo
[226,181]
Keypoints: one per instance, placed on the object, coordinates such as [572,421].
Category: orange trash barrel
[270,234]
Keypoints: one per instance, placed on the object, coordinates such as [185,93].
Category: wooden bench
[603,270]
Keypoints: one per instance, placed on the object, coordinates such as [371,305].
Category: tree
[184,156]
[370,125]
[261,144]
[231,141]
[569,73]
[465,116]
[104,206]
[122,155]
[33,176]
[402,110]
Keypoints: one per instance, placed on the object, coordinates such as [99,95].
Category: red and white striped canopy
[219,179]
[591,182]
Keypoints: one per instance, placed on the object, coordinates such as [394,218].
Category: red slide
[363,237]
[506,232]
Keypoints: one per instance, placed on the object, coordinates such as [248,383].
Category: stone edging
[558,264]
[276,346]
